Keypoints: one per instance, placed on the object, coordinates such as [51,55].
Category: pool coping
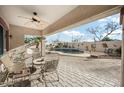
[85,55]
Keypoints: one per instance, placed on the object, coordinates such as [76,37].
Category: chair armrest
[23,73]
[26,70]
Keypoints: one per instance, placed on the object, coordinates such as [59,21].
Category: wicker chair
[15,70]
[3,73]
[49,67]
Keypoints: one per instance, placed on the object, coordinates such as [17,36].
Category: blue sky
[81,31]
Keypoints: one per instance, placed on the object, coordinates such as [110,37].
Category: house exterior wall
[18,33]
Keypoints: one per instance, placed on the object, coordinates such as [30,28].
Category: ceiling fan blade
[36,24]
[40,20]
[25,17]
[40,23]
[43,22]
[27,22]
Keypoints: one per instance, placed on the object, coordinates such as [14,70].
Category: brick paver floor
[84,72]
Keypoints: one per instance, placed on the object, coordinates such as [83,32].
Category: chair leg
[29,77]
[44,79]
[57,75]
[13,82]
[7,78]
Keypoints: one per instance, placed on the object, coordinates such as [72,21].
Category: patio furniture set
[17,73]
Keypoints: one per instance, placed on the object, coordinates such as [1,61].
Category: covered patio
[76,71]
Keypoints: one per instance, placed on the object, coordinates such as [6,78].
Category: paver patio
[83,72]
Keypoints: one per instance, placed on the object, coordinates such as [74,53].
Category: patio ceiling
[48,13]
[57,17]
[81,15]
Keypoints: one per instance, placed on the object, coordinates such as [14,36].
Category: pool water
[69,50]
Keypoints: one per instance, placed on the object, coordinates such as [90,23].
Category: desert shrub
[118,51]
[107,39]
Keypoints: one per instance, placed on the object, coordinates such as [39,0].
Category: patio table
[39,61]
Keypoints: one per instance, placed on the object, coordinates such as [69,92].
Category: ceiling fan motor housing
[35,18]
[34,13]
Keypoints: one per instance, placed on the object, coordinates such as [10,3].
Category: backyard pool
[69,50]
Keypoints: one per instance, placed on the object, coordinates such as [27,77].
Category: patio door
[1,40]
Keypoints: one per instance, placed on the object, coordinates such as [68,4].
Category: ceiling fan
[35,19]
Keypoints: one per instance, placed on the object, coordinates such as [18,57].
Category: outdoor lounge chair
[15,70]
[3,73]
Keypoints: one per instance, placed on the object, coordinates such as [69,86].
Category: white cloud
[73,32]
[89,40]
[102,20]
[118,31]
[115,33]
[53,35]
[115,19]
[112,18]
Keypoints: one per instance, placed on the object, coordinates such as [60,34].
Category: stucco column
[122,63]
[42,46]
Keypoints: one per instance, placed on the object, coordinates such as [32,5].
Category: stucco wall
[99,46]
[18,33]
[110,44]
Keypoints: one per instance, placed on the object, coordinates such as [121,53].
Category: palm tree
[37,41]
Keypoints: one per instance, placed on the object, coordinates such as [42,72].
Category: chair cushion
[12,67]
[6,60]
[2,68]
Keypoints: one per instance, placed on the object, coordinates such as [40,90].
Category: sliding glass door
[1,40]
